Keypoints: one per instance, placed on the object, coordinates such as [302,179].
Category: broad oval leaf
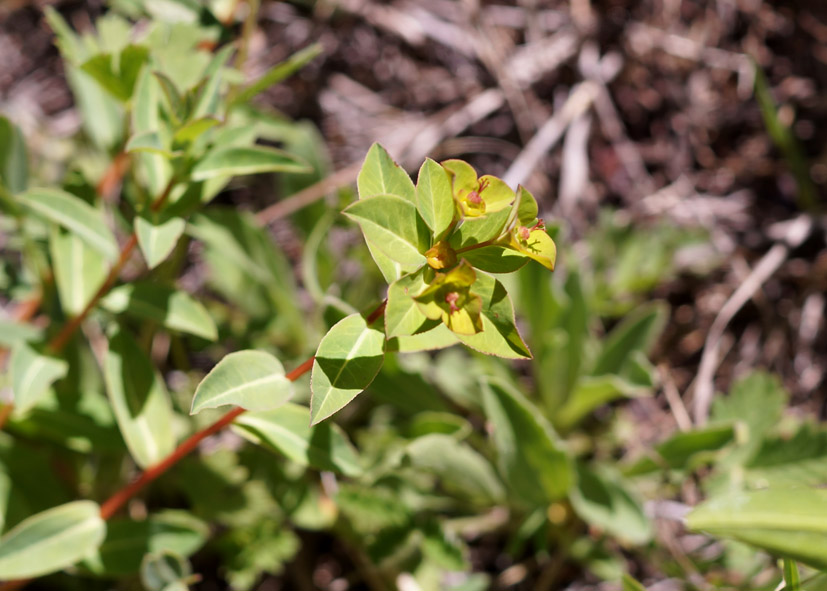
[139,400]
[499,336]
[75,215]
[253,380]
[240,160]
[32,375]
[287,430]
[348,358]
[79,271]
[392,225]
[380,175]
[127,541]
[531,459]
[51,541]
[157,239]
[790,522]
[175,309]
[434,199]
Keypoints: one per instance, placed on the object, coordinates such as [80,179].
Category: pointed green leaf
[433,197]
[250,379]
[127,541]
[79,271]
[157,239]
[391,224]
[459,467]
[790,522]
[403,316]
[591,392]
[208,98]
[194,129]
[140,401]
[14,161]
[526,208]
[277,73]
[75,215]
[390,269]
[380,175]
[241,160]
[51,541]
[165,571]
[604,500]
[637,332]
[173,96]
[630,584]
[436,338]
[287,431]
[499,336]
[117,73]
[348,358]
[479,229]
[32,374]
[175,309]
[531,459]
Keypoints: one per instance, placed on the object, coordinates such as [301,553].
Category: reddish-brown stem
[475,246]
[116,501]
[375,315]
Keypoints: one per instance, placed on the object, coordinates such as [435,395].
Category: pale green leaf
[155,170]
[434,200]
[75,215]
[253,380]
[790,522]
[51,541]
[403,316]
[348,358]
[392,225]
[438,337]
[139,400]
[590,392]
[79,271]
[32,374]
[12,333]
[473,231]
[499,335]
[157,239]
[287,430]
[148,142]
[192,130]
[531,459]
[526,207]
[14,161]
[241,160]
[380,175]
[172,308]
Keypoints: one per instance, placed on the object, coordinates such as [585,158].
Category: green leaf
[637,332]
[176,101]
[591,392]
[75,215]
[117,73]
[380,175]
[12,333]
[680,451]
[792,579]
[241,160]
[157,239]
[800,460]
[526,207]
[531,459]
[630,584]
[790,522]
[278,73]
[287,431]
[32,374]
[140,401]
[253,380]
[402,314]
[602,499]
[433,197]
[14,161]
[535,244]
[499,336]
[392,225]
[459,467]
[155,170]
[127,541]
[149,142]
[165,570]
[79,271]
[348,358]
[51,541]
[477,230]
[438,337]
[192,130]
[174,309]
[496,259]
[208,97]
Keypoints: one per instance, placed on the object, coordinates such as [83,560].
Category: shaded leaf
[253,380]
[348,358]
[637,332]
[14,161]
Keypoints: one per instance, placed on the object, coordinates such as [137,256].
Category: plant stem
[475,246]
[377,313]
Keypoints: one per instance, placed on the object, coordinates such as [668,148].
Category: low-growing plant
[121,368]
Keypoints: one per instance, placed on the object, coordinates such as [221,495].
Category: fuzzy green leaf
[139,400]
[174,309]
[348,358]
[250,379]
[75,215]
[157,239]
[287,430]
[51,541]
[241,160]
